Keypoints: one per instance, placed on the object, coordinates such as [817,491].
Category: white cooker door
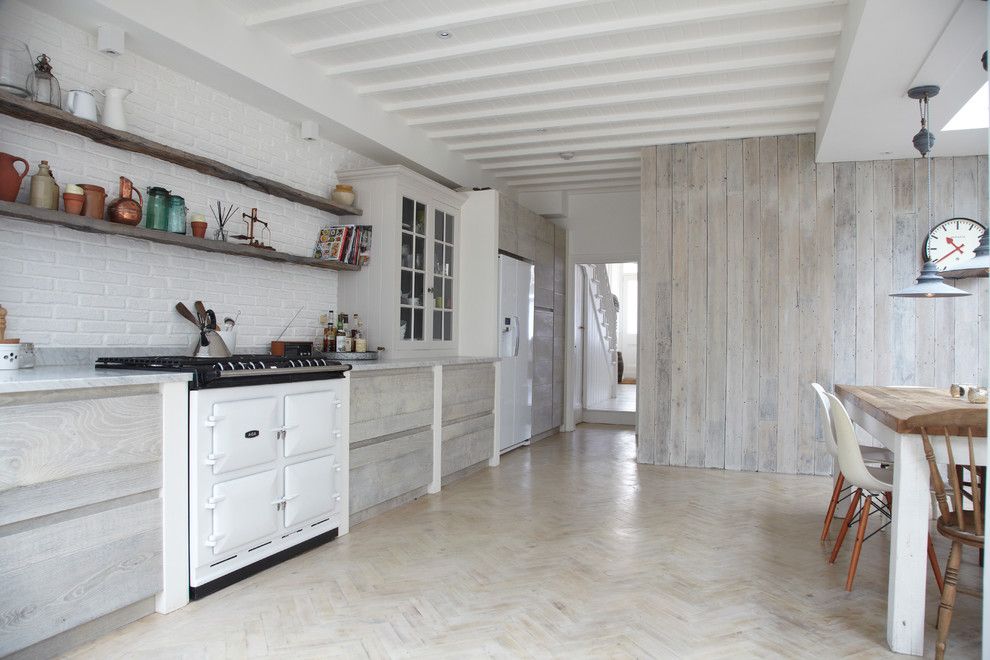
[243,511]
[244,433]
[310,490]
[309,422]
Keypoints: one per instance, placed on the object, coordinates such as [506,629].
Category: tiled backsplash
[70,289]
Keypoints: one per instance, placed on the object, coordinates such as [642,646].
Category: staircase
[604,349]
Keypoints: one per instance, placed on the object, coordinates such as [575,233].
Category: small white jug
[113,109]
[81,103]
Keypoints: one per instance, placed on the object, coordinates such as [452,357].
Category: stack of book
[348,244]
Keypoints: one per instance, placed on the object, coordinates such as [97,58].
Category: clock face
[953,241]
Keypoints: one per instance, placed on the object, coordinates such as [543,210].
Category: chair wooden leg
[830,514]
[845,524]
[864,517]
[948,598]
[936,569]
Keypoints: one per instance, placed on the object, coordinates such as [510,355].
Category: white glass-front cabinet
[406,294]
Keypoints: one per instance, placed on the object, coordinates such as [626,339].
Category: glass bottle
[156,216]
[15,66]
[176,214]
[42,85]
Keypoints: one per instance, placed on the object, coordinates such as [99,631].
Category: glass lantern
[15,66]
[42,86]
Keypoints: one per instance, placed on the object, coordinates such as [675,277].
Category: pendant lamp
[929,283]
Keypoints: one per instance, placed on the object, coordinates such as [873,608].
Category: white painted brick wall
[71,289]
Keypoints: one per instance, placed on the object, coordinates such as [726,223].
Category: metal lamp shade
[930,285]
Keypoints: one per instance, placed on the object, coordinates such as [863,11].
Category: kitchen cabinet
[407,292]
[468,419]
[80,513]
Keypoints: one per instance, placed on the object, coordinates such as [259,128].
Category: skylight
[974,114]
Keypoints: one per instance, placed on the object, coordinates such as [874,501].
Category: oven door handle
[212,540]
[213,459]
[211,502]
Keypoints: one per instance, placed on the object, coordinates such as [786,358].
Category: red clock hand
[957,248]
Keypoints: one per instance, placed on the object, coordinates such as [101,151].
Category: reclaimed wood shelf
[82,223]
[49,116]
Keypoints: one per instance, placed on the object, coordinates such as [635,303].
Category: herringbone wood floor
[569,549]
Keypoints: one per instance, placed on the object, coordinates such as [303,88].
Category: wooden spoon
[186,314]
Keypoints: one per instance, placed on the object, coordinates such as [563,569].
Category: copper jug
[96,197]
[10,180]
[124,209]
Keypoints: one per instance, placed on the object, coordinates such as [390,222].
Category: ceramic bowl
[343,197]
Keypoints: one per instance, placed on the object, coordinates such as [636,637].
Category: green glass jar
[176,214]
[156,215]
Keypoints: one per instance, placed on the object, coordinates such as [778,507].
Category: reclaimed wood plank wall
[763,271]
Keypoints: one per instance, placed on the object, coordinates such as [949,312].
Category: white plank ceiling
[517,83]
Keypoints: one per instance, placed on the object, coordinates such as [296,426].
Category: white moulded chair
[877,455]
[876,483]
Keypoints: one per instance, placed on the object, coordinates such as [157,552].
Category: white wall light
[110,40]
[310,130]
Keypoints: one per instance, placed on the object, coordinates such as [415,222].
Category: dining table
[895,416]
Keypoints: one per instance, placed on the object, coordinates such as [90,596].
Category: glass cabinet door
[443,276]
[413,271]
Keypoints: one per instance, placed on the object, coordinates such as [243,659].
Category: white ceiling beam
[730,40]
[727,65]
[647,139]
[483,13]
[715,11]
[298,10]
[641,115]
[616,186]
[564,178]
[703,89]
[585,159]
[715,120]
[571,167]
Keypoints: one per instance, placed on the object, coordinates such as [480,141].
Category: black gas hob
[233,371]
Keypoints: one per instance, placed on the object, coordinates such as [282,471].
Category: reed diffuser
[222,216]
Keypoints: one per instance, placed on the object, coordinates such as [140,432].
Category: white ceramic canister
[10,356]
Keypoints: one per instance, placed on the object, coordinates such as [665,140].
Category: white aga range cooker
[268,460]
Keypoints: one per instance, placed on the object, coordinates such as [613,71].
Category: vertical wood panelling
[752,273]
[788,274]
[679,370]
[808,265]
[648,395]
[697,309]
[715,354]
[735,250]
[769,347]
[825,239]
[771,272]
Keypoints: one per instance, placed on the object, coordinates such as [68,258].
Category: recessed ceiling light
[566,155]
[541,130]
[444,34]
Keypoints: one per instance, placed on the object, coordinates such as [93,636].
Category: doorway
[606,326]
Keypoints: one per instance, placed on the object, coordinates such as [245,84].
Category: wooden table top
[907,409]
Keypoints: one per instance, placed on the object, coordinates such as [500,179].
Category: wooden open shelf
[81,223]
[49,116]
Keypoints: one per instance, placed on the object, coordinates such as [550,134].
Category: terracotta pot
[124,209]
[198,228]
[10,180]
[96,199]
[73,203]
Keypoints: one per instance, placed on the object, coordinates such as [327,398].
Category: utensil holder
[218,345]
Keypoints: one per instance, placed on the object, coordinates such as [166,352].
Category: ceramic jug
[113,109]
[124,209]
[81,103]
[96,197]
[44,190]
[10,179]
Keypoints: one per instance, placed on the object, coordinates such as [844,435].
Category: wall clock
[952,242]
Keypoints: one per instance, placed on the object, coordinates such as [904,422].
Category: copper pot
[96,198]
[124,209]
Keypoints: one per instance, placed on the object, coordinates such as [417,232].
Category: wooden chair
[875,483]
[960,525]
[873,455]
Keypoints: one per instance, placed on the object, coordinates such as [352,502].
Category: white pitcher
[81,103]
[113,109]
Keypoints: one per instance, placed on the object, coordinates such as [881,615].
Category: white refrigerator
[515,348]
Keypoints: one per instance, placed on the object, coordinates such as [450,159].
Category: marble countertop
[68,377]
[412,363]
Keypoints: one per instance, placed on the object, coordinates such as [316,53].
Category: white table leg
[908,548]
